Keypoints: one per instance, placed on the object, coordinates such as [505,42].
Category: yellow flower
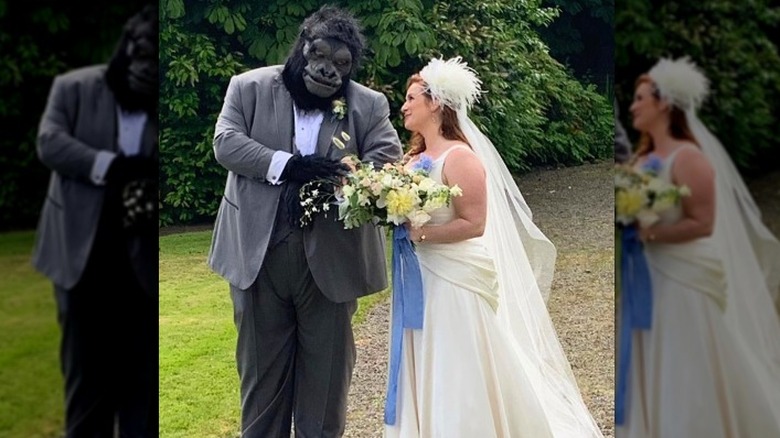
[629,202]
[399,202]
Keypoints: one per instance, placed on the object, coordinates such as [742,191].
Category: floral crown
[451,83]
[680,82]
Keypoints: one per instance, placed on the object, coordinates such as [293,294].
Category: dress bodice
[447,213]
[675,213]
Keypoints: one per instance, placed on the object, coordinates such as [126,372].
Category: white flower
[426,184]
[657,185]
[663,203]
[456,191]
[647,218]
[376,188]
[434,203]
[418,218]
[339,108]
[363,199]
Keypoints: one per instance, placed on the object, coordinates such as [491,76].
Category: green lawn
[31,401]
[199,393]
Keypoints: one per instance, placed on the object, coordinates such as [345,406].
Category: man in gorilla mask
[294,289]
[97,235]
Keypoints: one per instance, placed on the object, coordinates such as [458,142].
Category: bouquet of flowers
[640,196]
[390,195]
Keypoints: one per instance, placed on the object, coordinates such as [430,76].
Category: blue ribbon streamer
[408,307]
[636,310]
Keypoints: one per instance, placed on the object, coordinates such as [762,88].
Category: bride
[487,361]
[709,365]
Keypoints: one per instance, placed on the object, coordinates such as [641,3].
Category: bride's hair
[678,124]
[450,129]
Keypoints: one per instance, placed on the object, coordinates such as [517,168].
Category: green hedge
[735,44]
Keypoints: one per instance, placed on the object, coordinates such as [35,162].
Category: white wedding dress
[691,375]
[463,374]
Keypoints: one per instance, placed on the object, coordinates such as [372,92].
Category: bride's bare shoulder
[463,160]
[691,163]
[691,152]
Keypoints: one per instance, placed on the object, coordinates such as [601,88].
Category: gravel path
[573,207]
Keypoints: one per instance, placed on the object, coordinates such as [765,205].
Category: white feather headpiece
[451,83]
[680,82]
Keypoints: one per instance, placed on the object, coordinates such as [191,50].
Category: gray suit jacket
[256,121]
[622,143]
[79,120]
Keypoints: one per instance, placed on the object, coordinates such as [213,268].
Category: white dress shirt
[307,130]
[131,128]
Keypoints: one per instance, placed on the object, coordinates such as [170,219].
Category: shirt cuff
[100,166]
[278,161]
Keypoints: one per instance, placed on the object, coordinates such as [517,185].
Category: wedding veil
[524,259]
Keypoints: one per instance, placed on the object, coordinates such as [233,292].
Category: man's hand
[124,169]
[303,169]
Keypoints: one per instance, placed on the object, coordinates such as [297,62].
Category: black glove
[124,169]
[303,169]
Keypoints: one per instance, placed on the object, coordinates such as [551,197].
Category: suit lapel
[329,128]
[106,124]
[283,109]
[149,139]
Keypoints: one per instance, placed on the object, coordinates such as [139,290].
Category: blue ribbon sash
[636,310]
[408,308]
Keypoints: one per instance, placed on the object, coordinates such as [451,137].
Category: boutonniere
[341,144]
[339,108]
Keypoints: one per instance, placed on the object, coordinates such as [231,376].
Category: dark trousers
[109,348]
[295,351]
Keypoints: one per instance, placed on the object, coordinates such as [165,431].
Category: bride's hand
[647,234]
[414,233]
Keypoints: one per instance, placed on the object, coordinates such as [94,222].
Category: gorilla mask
[323,59]
[133,72]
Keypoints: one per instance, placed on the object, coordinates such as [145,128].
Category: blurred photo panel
[79,219]
[697,218]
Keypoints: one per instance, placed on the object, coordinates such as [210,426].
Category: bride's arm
[464,169]
[691,168]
